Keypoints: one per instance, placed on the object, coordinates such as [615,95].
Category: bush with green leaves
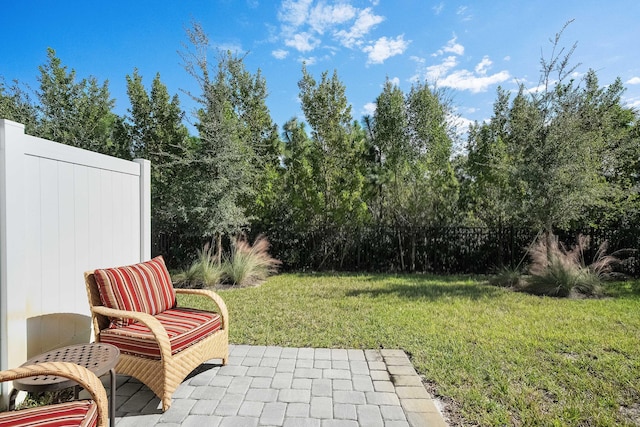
[558,271]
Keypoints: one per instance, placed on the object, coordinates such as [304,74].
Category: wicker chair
[164,361]
[76,413]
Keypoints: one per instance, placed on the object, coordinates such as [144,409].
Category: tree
[412,144]
[340,145]
[157,133]
[559,160]
[556,156]
[609,125]
[434,189]
[76,113]
[390,149]
[233,125]
[302,191]
[488,164]
[248,94]
[16,105]
[411,176]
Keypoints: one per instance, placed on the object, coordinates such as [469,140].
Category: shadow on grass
[430,290]
[627,290]
[413,286]
[408,277]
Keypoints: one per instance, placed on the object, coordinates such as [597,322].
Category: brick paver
[275,386]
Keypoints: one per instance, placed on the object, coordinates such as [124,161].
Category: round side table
[96,357]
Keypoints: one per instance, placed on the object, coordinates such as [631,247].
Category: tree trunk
[219,247]
[548,240]
[413,251]
[400,248]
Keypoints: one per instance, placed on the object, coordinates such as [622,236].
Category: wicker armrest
[154,325]
[85,378]
[217,300]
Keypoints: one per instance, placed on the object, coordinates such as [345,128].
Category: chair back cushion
[145,287]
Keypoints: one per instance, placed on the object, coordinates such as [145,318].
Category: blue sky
[468,47]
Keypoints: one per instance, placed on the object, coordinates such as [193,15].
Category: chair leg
[166,403]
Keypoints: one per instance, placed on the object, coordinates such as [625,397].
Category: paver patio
[276,386]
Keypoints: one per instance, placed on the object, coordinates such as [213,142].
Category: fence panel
[63,210]
[442,250]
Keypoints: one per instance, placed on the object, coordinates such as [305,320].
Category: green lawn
[497,357]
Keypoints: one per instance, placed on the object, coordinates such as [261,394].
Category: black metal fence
[443,250]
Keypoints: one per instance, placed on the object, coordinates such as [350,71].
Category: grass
[496,357]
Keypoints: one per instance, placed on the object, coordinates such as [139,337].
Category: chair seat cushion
[184,326]
[77,413]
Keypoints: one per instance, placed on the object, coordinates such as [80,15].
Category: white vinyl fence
[63,210]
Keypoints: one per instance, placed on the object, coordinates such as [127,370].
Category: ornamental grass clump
[204,272]
[561,272]
[250,264]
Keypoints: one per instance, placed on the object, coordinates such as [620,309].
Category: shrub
[250,264]
[507,277]
[556,271]
[204,272]
[45,398]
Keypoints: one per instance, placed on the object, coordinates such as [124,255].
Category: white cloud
[506,58]
[395,81]
[450,47]
[483,66]
[453,47]
[437,9]
[634,81]
[385,48]
[325,16]
[294,12]
[304,25]
[230,47]
[631,102]
[418,60]
[309,60]
[444,74]
[463,13]
[280,53]
[436,72]
[466,80]
[303,42]
[535,89]
[460,123]
[363,24]
[369,109]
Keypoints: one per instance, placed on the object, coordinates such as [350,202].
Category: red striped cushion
[185,326]
[144,287]
[76,413]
